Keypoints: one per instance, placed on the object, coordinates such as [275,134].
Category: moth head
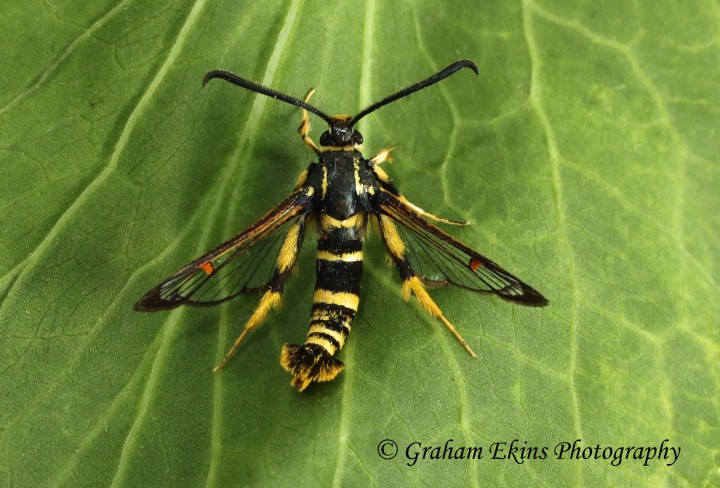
[341,133]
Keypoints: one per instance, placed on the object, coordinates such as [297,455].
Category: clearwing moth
[341,192]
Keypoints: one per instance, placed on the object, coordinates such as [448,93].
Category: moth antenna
[439,76]
[242,82]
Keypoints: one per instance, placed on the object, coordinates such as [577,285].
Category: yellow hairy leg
[396,248]
[383,156]
[415,285]
[286,259]
[270,300]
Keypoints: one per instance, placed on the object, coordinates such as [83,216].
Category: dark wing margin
[244,264]
[438,258]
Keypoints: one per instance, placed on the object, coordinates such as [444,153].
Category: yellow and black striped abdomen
[335,302]
[336,296]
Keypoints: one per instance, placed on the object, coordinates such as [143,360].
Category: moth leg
[428,215]
[383,156]
[271,298]
[414,284]
[411,283]
[304,128]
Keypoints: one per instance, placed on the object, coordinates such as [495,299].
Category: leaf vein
[564,241]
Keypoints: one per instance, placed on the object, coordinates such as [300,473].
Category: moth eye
[325,139]
[357,138]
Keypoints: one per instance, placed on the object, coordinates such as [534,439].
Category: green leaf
[586,156]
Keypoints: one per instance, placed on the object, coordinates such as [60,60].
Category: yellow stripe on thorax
[324,182]
[354,147]
[361,188]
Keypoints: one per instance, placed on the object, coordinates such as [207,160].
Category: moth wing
[246,263]
[438,258]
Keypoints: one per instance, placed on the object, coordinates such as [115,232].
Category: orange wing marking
[208,267]
[475,264]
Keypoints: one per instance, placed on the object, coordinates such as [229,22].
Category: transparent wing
[438,258]
[246,263]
